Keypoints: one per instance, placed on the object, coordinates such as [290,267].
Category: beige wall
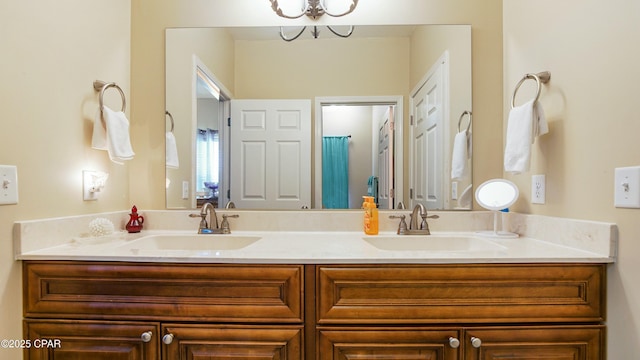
[591,50]
[47,67]
[328,66]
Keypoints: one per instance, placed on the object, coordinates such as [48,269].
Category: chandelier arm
[283,36]
[341,35]
[276,7]
[354,3]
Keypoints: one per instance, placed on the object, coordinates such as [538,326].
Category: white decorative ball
[101,227]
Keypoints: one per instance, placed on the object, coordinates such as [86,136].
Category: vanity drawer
[436,294]
[206,292]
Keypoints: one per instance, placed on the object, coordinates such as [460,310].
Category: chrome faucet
[418,210]
[212,215]
[421,225]
[417,223]
[212,226]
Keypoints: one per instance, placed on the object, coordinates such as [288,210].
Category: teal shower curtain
[335,172]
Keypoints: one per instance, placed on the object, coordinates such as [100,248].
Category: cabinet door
[200,342]
[583,342]
[387,343]
[95,340]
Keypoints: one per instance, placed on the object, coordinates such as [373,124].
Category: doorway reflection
[365,131]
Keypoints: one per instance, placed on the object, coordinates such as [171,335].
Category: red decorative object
[135,221]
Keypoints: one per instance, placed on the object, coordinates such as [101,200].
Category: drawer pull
[476,342]
[454,342]
[146,336]
[167,339]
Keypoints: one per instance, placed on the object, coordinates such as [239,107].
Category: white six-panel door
[270,154]
[427,133]
[385,160]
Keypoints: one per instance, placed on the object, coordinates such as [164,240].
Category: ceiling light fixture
[315,32]
[313,9]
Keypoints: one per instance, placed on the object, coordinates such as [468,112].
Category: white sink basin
[190,242]
[433,243]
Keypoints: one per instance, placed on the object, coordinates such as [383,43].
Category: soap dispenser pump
[370,216]
[135,221]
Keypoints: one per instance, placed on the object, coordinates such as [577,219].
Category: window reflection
[207,166]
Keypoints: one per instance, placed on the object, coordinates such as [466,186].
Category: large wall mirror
[386,105]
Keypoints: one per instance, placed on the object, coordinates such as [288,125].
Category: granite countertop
[312,248]
[304,237]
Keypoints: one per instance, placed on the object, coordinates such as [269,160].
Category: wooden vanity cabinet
[119,310]
[113,310]
[470,312]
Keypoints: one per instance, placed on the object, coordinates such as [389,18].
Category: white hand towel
[526,122]
[171,151]
[460,155]
[112,135]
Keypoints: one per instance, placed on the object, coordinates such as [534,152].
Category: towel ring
[101,86]
[166,112]
[540,78]
[466,112]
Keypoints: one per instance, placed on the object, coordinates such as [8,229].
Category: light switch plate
[8,184]
[185,190]
[627,187]
[454,190]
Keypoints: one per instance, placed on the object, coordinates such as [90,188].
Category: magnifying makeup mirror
[497,195]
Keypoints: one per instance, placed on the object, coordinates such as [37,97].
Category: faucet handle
[225,223]
[424,225]
[402,227]
[203,220]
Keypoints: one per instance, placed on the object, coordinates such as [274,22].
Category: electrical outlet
[538,188]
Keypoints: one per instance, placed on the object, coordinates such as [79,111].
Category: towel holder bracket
[167,113]
[544,76]
[466,112]
[101,86]
[540,78]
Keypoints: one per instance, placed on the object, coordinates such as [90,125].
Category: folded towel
[112,135]
[171,151]
[460,155]
[372,187]
[526,122]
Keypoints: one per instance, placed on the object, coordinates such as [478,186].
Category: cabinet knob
[454,342]
[476,342]
[167,339]
[146,336]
